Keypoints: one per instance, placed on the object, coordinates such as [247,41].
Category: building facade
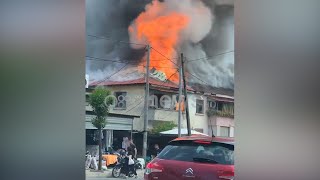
[209,112]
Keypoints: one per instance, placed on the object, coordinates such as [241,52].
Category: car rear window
[219,153]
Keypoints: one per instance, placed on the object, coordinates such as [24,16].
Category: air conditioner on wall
[212,104]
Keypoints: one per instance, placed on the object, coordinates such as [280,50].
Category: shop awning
[114,123]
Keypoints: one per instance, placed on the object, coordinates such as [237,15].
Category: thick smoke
[217,70]
[209,33]
[111,19]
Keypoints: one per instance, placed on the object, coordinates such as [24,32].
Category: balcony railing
[222,113]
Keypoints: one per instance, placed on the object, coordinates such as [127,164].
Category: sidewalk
[107,173]
[96,174]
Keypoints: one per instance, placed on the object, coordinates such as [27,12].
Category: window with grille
[121,100]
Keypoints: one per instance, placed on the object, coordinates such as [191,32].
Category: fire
[161,30]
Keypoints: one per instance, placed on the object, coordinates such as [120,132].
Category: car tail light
[226,175]
[153,167]
[202,142]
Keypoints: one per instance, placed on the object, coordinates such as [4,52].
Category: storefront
[116,128]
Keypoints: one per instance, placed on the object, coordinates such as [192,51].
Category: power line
[207,58]
[135,105]
[108,38]
[198,78]
[121,62]
[102,59]
[165,56]
[111,75]
[169,77]
[142,101]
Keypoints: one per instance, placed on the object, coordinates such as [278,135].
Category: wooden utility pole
[180,98]
[185,95]
[146,106]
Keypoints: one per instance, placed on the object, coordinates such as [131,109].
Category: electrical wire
[208,57]
[99,82]
[122,62]
[169,77]
[164,56]
[107,38]
[135,106]
[198,78]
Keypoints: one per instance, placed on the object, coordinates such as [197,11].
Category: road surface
[139,172]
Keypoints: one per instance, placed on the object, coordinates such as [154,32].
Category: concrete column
[218,130]
[231,131]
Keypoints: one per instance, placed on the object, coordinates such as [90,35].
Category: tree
[100,100]
[163,126]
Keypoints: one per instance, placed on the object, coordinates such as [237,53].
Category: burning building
[201,29]
[117,34]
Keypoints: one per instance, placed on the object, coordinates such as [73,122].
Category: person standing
[156,151]
[132,154]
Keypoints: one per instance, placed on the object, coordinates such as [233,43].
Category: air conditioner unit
[152,103]
[87,81]
[212,104]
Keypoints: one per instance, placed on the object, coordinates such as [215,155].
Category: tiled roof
[152,81]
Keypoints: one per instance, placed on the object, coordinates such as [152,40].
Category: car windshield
[215,153]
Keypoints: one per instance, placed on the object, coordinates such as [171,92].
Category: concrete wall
[135,101]
[217,122]
[198,120]
[135,105]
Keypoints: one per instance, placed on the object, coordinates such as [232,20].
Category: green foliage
[100,101]
[163,126]
[227,111]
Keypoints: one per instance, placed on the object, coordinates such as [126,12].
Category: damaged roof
[202,88]
[141,81]
[222,94]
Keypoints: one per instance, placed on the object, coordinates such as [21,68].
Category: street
[108,177]
[101,178]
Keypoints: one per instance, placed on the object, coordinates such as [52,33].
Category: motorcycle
[118,168]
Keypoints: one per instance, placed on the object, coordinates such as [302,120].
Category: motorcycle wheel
[131,174]
[116,171]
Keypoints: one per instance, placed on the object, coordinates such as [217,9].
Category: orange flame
[161,31]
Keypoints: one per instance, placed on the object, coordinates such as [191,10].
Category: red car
[194,157]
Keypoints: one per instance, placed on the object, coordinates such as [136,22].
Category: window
[199,106]
[188,151]
[121,100]
[219,105]
[224,131]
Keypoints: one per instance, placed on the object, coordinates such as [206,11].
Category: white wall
[218,121]
[135,105]
[198,120]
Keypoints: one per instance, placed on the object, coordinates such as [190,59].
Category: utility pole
[146,106]
[185,95]
[180,98]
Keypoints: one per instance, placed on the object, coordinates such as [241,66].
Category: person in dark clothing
[132,154]
[155,151]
